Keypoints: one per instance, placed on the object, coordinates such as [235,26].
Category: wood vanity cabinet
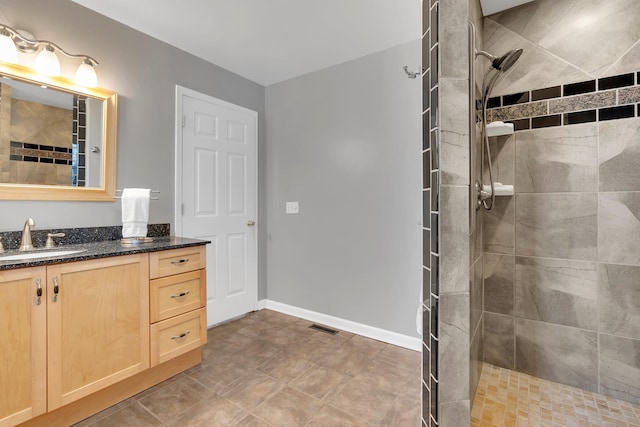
[23,371]
[178,299]
[101,332]
[98,326]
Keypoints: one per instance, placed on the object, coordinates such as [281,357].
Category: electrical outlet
[292,208]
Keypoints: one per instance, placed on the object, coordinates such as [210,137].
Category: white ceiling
[489,7]
[268,41]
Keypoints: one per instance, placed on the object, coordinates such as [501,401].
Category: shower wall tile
[498,283]
[592,48]
[499,226]
[477,349]
[627,63]
[477,237]
[557,353]
[583,102]
[619,155]
[619,228]
[557,291]
[620,368]
[456,413]
[502,160]
[454,343]
[557,225]
[454,132]
[499,342]
[619,298]
[533,20]
[475,283]
[454,39]
[557,159]
[454,249]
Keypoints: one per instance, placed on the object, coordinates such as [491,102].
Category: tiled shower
[548,282]
[562,255]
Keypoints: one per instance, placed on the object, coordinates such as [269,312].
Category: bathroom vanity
[86,330]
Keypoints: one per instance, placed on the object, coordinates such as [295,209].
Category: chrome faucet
[25,242]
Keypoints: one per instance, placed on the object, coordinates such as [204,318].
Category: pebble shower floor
[511,399]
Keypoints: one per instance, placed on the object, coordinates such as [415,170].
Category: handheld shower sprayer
[499,65]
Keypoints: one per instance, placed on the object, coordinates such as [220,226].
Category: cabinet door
[98,325]
[23,371]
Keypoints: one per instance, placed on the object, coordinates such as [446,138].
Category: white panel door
[217,185]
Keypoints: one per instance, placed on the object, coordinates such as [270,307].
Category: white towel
[135,211]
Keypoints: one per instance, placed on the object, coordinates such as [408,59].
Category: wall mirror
[57,139]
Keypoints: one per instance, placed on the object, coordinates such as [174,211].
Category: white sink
[37,255]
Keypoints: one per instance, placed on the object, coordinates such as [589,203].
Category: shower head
[507,60]
[504,62]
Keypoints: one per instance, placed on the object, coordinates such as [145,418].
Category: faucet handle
[50,236]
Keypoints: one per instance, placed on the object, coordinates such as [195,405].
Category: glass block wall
[430,195]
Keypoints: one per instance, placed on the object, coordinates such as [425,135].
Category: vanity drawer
[173,337]
[176,261]
[178,294]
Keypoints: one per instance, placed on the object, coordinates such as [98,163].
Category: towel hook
[410,74]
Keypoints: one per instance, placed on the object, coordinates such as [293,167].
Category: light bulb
[47,62]
[86,74]
[8,51]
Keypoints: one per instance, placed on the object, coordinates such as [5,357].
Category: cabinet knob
[180,261]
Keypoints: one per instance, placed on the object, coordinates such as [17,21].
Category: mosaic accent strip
[608,98]
[430,215]
[39,153]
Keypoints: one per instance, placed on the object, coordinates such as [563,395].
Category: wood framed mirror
[57,139]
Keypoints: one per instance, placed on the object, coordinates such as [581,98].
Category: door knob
[251,223]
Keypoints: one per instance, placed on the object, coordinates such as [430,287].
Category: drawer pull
[38,291]
[56,289]
[182,335]
[180,261]
[181,294]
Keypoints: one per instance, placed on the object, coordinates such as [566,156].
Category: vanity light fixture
[47,63]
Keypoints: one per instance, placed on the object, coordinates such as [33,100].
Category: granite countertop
[94,250]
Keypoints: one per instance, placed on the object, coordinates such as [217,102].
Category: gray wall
[144,72]
[345,142]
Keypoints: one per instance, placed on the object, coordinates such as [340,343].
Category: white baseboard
[383,335]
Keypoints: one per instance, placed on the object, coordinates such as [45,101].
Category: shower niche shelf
[500,189]
[499,129]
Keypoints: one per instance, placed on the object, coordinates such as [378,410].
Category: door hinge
[184,120]
[182,209]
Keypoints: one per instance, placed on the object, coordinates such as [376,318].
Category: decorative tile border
[608,98]
[430,212]
[39,153]
[79,135]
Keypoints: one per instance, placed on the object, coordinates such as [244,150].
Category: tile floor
[270,369]
[506,399]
